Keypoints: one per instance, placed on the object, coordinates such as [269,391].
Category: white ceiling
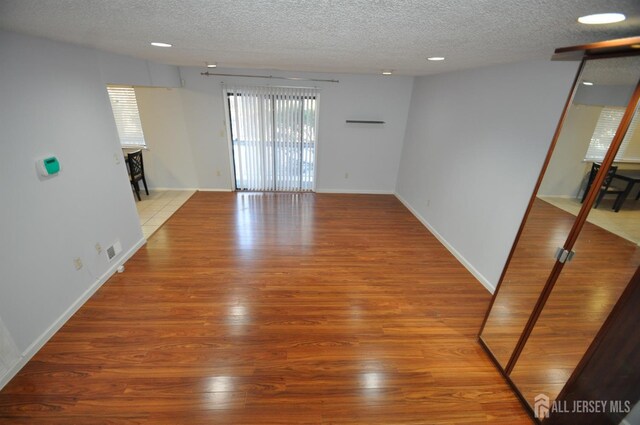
[356,36]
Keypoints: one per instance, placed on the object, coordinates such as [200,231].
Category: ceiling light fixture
[587,83]
[211,65]
[602,18]
[157,44]
[435,58]
[635,46]
[387,72]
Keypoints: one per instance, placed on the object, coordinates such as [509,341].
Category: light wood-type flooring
[279,308]
[624,223]
[583,296]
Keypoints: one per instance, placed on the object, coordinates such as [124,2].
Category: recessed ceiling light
[435,58]
[602,18]
[387,72]
[587,83]
[155,43]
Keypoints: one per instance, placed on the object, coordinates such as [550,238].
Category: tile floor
[156,208]
[625,223]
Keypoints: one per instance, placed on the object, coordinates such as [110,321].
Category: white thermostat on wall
[48,166]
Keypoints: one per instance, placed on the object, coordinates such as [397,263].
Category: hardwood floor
[546,229]
[274,308]
[582,298]
[623,223]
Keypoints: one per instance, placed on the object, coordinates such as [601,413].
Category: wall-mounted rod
[364,122]
[212,74]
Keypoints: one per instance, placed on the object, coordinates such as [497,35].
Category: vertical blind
[274,136]
[125,112]
[605,130]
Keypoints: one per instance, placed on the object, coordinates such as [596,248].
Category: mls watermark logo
[541,406]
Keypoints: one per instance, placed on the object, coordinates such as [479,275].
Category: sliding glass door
[273,136]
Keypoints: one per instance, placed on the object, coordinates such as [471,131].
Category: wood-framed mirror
[578,246]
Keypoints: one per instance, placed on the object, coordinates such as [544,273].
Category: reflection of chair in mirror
[607,188]
[136,172]
[555,330]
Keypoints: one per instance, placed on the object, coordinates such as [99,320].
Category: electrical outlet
[428,202]
[116,158]
[98,248]
[218,173]
[77,262]
[346,175]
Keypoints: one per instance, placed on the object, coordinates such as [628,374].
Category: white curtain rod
[210,74]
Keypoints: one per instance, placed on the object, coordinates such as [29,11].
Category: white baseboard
[64,317]
[483,280]
[176,189]
[195,189]
[351,191]
[558,196]
[357,191]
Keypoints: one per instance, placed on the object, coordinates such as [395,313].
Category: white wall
[53,100]
[474,146]
[120,69]
[370,154]
[565,173]
[64,110]
[169,161]
[565,176]
[604,95]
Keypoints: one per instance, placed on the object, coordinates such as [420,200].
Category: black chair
[607,188]
[136,171]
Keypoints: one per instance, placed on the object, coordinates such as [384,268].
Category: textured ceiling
[358,36]
[613,71]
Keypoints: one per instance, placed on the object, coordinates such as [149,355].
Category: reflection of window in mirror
[613,81]
[606,126]
[548,311]
[599,102]
[590,129]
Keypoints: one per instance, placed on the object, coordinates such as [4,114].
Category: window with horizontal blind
[125,112]
[606,127]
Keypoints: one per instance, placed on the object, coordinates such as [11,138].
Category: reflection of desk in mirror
[549,316]
[631,177]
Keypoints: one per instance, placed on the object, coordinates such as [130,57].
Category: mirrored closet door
[577,249]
